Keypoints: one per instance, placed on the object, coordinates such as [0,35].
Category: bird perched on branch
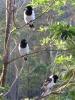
[64,34]
[48,84]
[23,48]
[29,16]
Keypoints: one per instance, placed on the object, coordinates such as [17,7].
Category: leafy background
[58,57]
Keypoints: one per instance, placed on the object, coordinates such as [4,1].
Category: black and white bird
[64,35]
[29,16]
[48,84]
[23,48]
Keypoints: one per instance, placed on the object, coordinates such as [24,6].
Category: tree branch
[36,52]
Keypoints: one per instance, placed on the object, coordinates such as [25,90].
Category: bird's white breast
[27,19]
[23,51]
[50,85]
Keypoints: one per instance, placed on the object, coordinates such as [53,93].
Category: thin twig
[13,50]
[36,52]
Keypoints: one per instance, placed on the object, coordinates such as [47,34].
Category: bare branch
[36,52]
[13,50]
[16,70]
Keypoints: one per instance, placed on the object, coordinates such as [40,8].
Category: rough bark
[9,22]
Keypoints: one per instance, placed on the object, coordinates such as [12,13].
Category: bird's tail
[25,58]
[31,25]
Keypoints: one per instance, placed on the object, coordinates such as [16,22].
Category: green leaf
[69,74]
[62,59]
[39,2]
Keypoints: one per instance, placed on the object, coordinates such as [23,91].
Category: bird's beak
[24,9]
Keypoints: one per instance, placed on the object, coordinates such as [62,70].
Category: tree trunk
[9,23]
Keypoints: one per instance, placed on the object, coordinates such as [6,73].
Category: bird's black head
[29,7]
[55,78]
[23,43]
[64,35]
[29,10]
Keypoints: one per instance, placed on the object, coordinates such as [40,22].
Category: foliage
[60,61]
[58,28]
[41,2]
